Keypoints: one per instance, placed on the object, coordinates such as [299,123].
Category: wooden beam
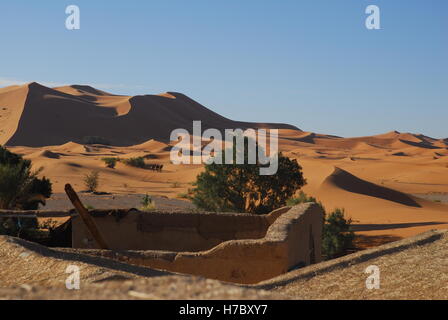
[85,216]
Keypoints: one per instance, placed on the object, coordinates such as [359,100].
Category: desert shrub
[337,236]
[91,181]
[302,198]
[110,162]
[241,188]
[147,203]
[138,162]
[20,187]
[95,140]
[186,195]
[40,232]
[48,224]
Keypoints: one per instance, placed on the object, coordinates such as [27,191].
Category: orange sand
[371,177]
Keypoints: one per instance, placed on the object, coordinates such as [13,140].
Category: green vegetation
[91,181]
[241,188]
[186,195]
[48,224]
[337,236]
[30,229]
[138,162]
[183,195]
[302,198]
[147,203]
[20,188]
[110,162]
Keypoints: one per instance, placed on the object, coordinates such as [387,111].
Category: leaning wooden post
[85,216]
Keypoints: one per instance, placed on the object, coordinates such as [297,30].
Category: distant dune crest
[34,115]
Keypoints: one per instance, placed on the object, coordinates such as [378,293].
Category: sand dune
[82,90]
[153,146]
[374,180]
[346,181]
[71,147]
[43,116]
[45,154]
[12,103]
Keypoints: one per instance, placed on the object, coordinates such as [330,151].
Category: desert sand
[381,181]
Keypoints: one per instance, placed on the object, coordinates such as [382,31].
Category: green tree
[241,188]
[20,187]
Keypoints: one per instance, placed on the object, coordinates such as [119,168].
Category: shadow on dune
[371,227]
[422,144]
[362,241]
[51,117]
[348,182]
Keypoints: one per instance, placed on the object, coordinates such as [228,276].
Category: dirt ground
[413,268]
[407,270]
[60,201]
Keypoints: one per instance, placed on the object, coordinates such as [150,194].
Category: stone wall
[292,240]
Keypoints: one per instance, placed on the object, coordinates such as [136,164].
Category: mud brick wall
[169,231]
[242,248]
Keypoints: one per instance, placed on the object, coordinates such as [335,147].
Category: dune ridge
[69,130]
[346,181]
[76,113]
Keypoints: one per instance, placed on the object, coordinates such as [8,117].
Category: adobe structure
[239,248]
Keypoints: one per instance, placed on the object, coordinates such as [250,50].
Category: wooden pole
[85,216]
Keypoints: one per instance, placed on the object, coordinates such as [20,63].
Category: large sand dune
[39,116]
[380,180]
[344,180]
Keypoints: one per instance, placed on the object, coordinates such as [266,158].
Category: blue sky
[311,63]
